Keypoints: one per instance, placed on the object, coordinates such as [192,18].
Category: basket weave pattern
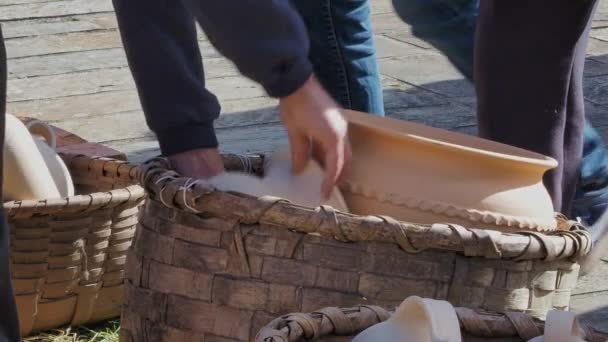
[68,255]
[211,264]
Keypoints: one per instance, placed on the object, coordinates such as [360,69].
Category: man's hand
[314,121]
[201,163]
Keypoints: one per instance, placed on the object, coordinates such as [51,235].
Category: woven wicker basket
[68,255]
[210,263]
[341,325]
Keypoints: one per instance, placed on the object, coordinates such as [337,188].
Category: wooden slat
[53,9]
[235,140]
[28,29]
[79,61]
[77,41]
[17,2]
[48,87]
[82,105]
[58,25]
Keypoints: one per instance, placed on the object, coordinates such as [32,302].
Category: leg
[576,127]
[448,25]
[342,51]
[591,198]
[525,64]
[9,323]
[160,41]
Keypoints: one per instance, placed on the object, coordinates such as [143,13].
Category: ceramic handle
[37,127]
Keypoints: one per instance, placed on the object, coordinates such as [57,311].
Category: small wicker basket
[211,263]
[341,325]
[68,255]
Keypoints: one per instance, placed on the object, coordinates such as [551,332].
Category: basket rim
[333,321]
[104,167]
[173,191]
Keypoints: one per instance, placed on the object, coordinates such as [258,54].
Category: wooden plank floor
[67,66]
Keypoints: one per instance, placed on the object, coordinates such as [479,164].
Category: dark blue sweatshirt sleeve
[265,39]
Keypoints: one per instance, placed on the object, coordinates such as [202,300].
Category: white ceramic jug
[26,175]
[46,142]
[560,326]
[416,320]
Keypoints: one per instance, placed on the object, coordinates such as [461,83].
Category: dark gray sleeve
[266,40]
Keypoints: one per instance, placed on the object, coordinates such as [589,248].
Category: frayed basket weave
[341,325]
[68,255]
[222,265]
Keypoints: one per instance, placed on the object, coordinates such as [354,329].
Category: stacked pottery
[428,320]
[279,181]
[32,169]
[422,174]
[561,326]
[416,320]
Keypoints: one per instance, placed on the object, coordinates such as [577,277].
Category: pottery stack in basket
[429,320]
[32,170]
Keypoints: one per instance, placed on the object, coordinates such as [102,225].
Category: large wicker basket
[68,255]
[341,325]
[210,263]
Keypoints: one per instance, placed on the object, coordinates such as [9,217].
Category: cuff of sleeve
[185,138]
[291,79]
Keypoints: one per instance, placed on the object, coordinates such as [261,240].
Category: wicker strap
[197,197]
[296,327]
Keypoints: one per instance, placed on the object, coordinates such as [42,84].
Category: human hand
[316,126]
[202,163]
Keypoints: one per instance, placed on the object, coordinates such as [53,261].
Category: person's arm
[266,40]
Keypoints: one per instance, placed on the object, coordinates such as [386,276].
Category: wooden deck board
[67,66]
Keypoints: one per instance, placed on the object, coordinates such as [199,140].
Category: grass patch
[103,332]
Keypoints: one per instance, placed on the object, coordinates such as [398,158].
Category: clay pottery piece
[416,320]
[427,175]
[46,142]
[279,181]
[25,172]
[560,326]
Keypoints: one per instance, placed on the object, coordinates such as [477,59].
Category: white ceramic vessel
[416,320]
[560,326]
[32,169]
[46,142]
[25,173]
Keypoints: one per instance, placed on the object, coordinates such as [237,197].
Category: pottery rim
[405,130]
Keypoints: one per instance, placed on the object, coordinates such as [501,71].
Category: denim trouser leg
[343,52]
[591,198]
[449,25]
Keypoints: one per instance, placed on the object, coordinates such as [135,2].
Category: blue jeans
[342,51]
[344,59]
